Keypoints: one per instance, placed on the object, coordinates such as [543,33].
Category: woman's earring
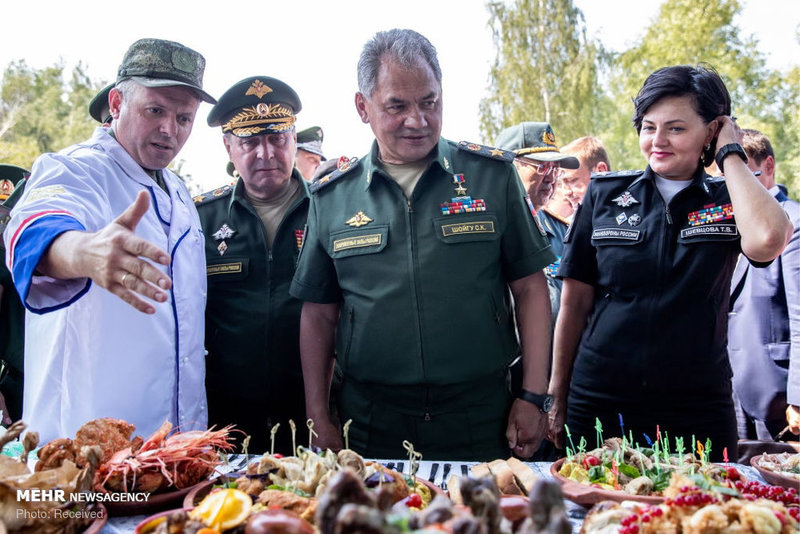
[708,147]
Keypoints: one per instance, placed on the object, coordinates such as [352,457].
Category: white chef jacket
[88,354]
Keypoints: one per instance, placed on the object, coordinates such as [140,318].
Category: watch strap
[727,150]
[533,398]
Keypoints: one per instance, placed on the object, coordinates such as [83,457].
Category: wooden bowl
[776,479]
[587,495]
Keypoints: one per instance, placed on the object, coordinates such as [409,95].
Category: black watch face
[547,404]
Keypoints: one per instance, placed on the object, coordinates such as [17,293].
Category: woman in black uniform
[647,267]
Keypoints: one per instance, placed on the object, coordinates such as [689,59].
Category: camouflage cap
[310,140]
[99,108]
[160,63]
[536,141]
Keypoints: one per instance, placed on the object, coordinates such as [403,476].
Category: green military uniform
[253,375]
[12,311]
[426,328]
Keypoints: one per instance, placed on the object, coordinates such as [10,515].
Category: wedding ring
[124,276]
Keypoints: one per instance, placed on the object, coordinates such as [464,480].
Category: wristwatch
[727,150]
[543,402]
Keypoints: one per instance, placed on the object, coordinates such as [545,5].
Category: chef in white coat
[106,251]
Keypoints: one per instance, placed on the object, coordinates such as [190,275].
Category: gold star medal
[359,219]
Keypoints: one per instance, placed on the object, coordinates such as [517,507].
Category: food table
[436,472]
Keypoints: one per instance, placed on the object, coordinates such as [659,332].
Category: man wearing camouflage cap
[254,230]
[107,254]
[309,151]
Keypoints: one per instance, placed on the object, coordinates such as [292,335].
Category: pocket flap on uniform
[227,269]
[357,242]
[611,235]
[463,228]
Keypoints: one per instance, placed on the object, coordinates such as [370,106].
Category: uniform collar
[442,157]
[698,180]
[239,195]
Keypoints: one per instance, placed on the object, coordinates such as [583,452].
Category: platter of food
[688,508]
[346,505]
[619,472]
[779,469]
[137,476]
[514,478]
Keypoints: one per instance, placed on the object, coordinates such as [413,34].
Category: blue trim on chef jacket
[177,332]
[29,249]
[155,205]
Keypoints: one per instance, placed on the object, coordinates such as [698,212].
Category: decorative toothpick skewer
[272,432]
[570,452]
[311,433]
[346,431]
[294,436]
[245,448]
[598,428]
[413,457]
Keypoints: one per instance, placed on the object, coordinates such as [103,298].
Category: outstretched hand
[114,258]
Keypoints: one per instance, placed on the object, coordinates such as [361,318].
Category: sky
[313,45]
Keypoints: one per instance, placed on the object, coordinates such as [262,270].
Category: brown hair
[757,145]
[589,150]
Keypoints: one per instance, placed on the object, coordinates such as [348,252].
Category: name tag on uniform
[710,229]
[475,227]
[357,242]
[616,233]
[224,268]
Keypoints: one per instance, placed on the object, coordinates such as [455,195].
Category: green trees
[588,91]
[41,112]
[545,68]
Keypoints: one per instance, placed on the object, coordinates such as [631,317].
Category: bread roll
[504,477]
[480,470]
[523,474]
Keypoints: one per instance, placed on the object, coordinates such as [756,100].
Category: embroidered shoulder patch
[208,196]
[345,166]
[487,151]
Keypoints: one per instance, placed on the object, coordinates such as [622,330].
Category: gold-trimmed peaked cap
[257,105]
[161,63]
[536,141]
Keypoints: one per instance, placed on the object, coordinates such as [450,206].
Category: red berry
[645,518]
[414,501]
[732,473]
[658,512]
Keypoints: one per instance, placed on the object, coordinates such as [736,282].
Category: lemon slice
[223,509]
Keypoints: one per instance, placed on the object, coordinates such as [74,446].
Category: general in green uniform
[254,231]
[408,262]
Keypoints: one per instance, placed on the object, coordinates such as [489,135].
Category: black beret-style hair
[703,83]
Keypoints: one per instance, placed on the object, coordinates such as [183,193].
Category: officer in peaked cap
[254,230]
[12,312]
[99,108]
[309,151]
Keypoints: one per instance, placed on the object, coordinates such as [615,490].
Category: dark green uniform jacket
[423,282]
[253,374]
[12,323]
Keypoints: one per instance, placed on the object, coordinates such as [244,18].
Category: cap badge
[183,60]
[258,88]
[359,219]
[224,232]
[625,200]
[549,138]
